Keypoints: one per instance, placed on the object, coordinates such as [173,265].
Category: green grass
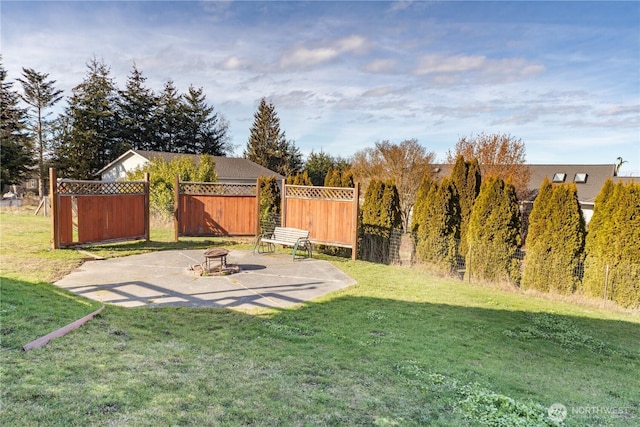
[399,348]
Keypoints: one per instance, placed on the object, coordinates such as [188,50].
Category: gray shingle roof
[587,191]
[227,168]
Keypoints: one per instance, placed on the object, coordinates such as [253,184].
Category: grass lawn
[399,348]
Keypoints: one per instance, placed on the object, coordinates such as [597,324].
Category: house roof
[227,168]
[595,177]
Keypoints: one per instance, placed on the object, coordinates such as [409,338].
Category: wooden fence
[98,211]
[215,209]
[329,213]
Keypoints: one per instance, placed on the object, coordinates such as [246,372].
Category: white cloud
[302,56]
[381,66]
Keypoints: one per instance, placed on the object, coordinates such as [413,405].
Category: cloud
[381,66]
[232,63]
[302,56]
[447,70]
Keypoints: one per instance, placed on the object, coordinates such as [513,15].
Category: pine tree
[494,233]
[40,95]
[318,165]
[136,113]
[15,148]
[205,130]
[466,179]
[170,121]
[268,146]
[89,136]
[555,243]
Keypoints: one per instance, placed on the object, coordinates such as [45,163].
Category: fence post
[356,215]
[176,209]
[258,208]
[283,204]
[53,193]
[147,217]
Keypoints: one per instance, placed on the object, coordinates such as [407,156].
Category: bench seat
[285,236]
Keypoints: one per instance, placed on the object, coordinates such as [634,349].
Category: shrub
[555,241]
[466,180]
[494,233]
[162,175]
[380,215]
[269,204]
[613,245]
[439,226]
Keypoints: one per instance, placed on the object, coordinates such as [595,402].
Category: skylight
[580,178]
[559,177]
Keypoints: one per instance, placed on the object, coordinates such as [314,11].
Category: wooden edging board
[62,331]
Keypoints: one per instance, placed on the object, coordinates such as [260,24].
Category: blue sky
[562,76]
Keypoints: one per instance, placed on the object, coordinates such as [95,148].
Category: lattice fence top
[217,189]
[324,193]
[79,188]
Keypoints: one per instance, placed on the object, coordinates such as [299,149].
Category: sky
[564,77]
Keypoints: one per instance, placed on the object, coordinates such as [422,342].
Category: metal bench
[298,239]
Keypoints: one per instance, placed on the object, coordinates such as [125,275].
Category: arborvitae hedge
[269,204]
[613,245]
[555,241]
[301,178]
[380,215]
[466,179]
[494,233]
[339,178]
[420,207]
[439,226]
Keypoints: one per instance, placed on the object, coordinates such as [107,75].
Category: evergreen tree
[346,179]
[494,233]
[40,95]
[15,148]
[439,226]
[466,179]
[318,165]
[300,178]
[555,244]
[170,120]
[333,178]
[89,135]
[420,208]
[613,251]
[205,131]
[269,204]
[136,109]
[268,146]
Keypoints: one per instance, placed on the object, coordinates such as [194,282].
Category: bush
[613,245]
[269,204]
[380,214]
[555,241]
[439,226]
[162,175]
[494,233]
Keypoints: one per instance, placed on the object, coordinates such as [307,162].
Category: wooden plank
[62,331]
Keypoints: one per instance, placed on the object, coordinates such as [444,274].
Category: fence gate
[215,209]
[98,211]
[329,213]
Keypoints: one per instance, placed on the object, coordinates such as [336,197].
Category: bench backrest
[285,234]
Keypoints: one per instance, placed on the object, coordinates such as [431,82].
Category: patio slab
[163,279]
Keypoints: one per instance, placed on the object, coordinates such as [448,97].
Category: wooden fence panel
[216,209]
[110,217]
[65,220]
[100,210]
[330,214]
[214,215]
